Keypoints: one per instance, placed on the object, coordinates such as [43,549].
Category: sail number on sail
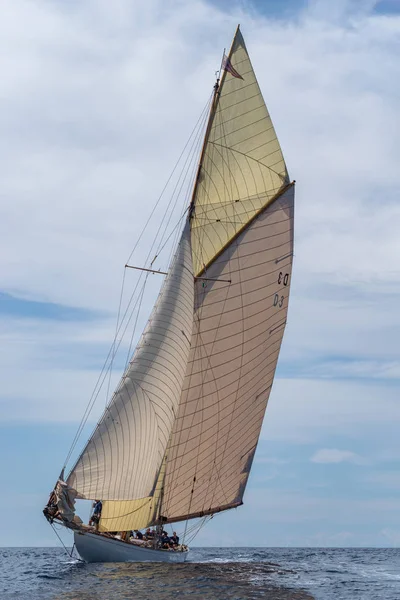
[282,278]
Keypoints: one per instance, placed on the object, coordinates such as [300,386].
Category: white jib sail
[122,459]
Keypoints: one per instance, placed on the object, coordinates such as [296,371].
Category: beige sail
[242,164]
[127,515]
[122,459]
[237,334]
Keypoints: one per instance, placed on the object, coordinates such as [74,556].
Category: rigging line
[175,230]
[191,155]
[190,186]
[189,180]
[155,239]
[196,527]
[196,530]
[169,179]
[136,321]
[189,159]
[115,335]
[64,546]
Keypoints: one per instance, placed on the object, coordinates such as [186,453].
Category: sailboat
[177,439]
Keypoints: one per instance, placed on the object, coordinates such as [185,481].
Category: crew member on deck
[95,518]
[138,534]
[174,539]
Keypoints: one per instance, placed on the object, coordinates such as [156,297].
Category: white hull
[96,548]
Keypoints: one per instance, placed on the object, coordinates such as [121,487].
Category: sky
[97,101]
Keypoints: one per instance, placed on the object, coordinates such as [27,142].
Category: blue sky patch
[31,309]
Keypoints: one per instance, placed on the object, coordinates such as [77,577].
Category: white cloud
[334,456]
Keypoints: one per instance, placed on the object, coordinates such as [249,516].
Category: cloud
[334,456]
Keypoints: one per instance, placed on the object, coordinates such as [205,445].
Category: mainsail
[179,437]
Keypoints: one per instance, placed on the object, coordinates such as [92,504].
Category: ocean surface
[211,574]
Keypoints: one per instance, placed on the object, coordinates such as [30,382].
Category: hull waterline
[96,548]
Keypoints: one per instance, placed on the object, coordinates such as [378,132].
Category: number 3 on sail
[178,436]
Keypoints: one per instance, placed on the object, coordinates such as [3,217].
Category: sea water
[211,574]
